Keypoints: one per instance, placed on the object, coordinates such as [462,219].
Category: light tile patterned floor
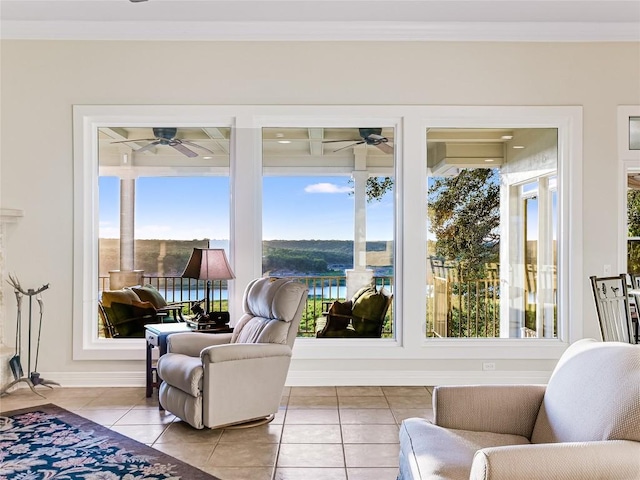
[320,433]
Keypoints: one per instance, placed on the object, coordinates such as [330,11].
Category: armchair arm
[192,343]
[611,459]
[244,351]
[174,310]
[510,409]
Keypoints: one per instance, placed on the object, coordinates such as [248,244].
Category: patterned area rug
[47,442]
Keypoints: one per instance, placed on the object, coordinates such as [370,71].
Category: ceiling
[314,149]
[518,20]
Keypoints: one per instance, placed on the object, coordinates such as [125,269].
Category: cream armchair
[584,424]
[214,380]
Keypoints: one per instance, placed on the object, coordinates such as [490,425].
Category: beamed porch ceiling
[315,148]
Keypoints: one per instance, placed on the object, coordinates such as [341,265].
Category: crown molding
[322,31]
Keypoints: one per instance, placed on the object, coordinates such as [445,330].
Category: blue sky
[294,208]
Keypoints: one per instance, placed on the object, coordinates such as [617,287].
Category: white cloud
[327,188]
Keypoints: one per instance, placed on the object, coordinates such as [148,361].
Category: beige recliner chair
[214,380]
[584,424]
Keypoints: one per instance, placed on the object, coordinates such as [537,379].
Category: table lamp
[208,264]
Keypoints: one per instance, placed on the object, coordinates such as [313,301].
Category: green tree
[633,225]
[633,212]
[376,188]
[464,212]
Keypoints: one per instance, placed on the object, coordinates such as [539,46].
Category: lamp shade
[208,264]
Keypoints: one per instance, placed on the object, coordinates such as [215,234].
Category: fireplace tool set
[15,362]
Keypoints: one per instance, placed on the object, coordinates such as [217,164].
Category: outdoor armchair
[213,380]
[584,424]
[124,313]
[362,316]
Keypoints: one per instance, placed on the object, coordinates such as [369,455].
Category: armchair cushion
[607,460]
[369,304]
[336,320]
[277,298]
[239,351]
[148,293]
[260,330]
[182,372]
[443,453]
[192,343]
[128,320]
[510,409]
[603,378]
[124,295]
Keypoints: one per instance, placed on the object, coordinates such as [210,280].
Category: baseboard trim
[399,378]
[325,378]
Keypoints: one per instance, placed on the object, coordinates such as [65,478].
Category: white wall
[40,81]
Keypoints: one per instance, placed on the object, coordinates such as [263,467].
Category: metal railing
[322,291]
[464,309]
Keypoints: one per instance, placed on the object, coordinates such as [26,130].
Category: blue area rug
[49,442]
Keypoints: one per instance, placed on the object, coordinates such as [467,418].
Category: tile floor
[320,433]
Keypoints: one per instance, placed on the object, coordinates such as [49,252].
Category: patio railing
[322,291]
[464,309]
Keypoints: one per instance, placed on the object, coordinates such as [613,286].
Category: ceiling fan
[370,136]
[167,136]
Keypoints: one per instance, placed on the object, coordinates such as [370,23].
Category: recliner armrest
[611,459]
[510,409]
[192,343]
[244,351]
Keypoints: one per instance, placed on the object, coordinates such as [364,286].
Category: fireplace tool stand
[15,364]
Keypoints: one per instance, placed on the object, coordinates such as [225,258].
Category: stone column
[359,276]
[126,276]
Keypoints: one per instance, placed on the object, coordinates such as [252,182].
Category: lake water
[317,292]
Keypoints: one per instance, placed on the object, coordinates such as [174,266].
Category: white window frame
[86,120]
[411,123]
[628,161]
[568,122]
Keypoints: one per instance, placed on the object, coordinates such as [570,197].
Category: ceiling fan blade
[385,147]
[348,146]
[376,138]
[191,144]
[148,146]
[184,150]
[336,141]
[136,140]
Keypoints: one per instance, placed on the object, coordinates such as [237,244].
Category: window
[629,155]
[328,215]
[154,209]
[255,163]
[492,220]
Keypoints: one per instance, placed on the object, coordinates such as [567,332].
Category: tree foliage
[376,188]
[464,213]
[633,223]
[633,212]
[298,261]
